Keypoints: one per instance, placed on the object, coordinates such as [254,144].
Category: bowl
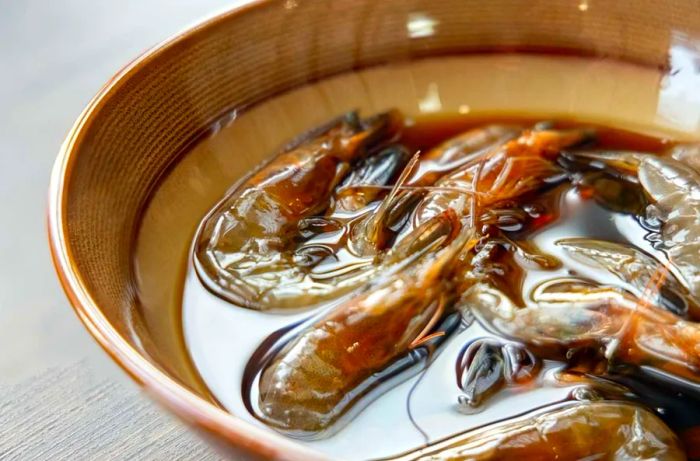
[119,243]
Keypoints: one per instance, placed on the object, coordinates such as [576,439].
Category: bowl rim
[174,396]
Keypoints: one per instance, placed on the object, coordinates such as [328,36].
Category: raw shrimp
[673,187]
[636,271]
[569,314]
[575,431]
[437,162]
[331,364]
[244,251]
[370,233]
[460,150]
[518,166]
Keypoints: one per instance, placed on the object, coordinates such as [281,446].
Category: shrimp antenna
[374,225]
[387,202]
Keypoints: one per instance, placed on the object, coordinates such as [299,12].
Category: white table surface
[61,397]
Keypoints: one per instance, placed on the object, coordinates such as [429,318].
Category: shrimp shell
[504,173]
[576,431]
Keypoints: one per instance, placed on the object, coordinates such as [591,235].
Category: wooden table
[61,398]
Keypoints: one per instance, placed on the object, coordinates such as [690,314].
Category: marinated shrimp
[573,314]
[328,366]
[460,150]
[289,374]
[636,271]
[675,190]
[368,235]
[517,167]
[673,187]
[585,430]
[245,247]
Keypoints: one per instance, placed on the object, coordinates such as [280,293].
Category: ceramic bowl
[137,129]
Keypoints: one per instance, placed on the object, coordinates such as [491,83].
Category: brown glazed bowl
[135,130]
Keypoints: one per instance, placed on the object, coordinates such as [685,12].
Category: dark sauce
[430,130]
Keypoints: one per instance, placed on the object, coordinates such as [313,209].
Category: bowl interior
[141,167]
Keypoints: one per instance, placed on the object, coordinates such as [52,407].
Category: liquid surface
[432,411]
[582,201]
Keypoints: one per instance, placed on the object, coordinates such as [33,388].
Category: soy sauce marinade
[553,254]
